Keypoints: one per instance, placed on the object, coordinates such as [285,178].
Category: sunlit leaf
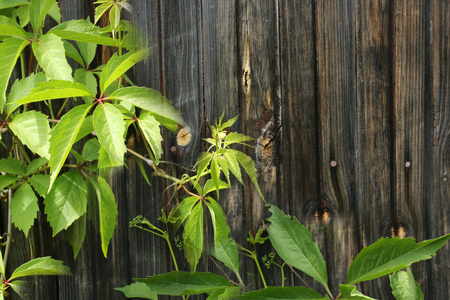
[21,88]
[87,79]
[18,286]
[88,51]
[24,208]
[152,133]
[55,12]
[63,137]
[90,149]
[73,53]
[38,9]
[101,9]
[40,183]
[51,55]
[404,287]
[41,266]
[118,65]
[66,201]
[9,27]
[389,255]
[82,31]
[153,102]
[249,166]
[12,3]
[33,130]
[110,127]
[138,290]
[10,50]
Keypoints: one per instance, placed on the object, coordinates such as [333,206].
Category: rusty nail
[333,163]
[407,164]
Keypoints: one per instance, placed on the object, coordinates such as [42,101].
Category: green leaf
[185,207]
[24,208]
[12,3]
[114,17]
[9,27]
[152,133]
[142,169]
[40,183]
[202,163]
[24,16]
[33,130]
[138,290]
[215,174]
[193,236]
[80,159]
[228,123]
[55,12]
[88,51]
[249,166]
[38,9]
[110,127]
[289,292]
[225,248]
[11,166]
[185,283]
[18,286]
[118,65]
[6,180]
[55,89]
[236,138]
[153,102]
[90,149]
[225,294]
[87,79]
[389,255]
[107,211]
[2,265]
[21,88]
[73,53]
[66,201]
[350,292]
[404,287]
[51,55]
[101,9]
[63,137]
[294,244]
[36,164]
[41,266]
[10,50]
[85,129]
[82,31]
[76,234]
[233,166]
[210,186]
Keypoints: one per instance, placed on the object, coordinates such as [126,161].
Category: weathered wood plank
[258,72]
[438,220]
[299,147]
[410,110]
[373,155]
[337,104]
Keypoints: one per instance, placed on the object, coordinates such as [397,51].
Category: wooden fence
[348,103]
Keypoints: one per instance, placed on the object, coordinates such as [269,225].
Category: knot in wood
[183,137]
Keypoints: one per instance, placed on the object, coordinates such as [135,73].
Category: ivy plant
[291,241]
[63,128]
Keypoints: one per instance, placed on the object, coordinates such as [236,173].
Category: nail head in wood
[333,163]
[407,164]
[445,179]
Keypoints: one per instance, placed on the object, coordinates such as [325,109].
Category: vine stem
[9,232]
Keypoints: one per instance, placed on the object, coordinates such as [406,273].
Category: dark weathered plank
[410,111]
[373,153]
[337,103]
[258,75]
[299,148]
[438,220]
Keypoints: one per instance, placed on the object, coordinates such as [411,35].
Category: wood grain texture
[373,152]
[438,221]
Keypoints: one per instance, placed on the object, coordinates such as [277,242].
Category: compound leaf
[249,166]
[21,88]
[76,234]
[152,133]
[294,244]
[193,236]
[9,27]
[66,201]
[24,208]
[389,255]
[6,180]
[51,55]
[38,9]
[82,31]
[138,290]
[289,292]
[11,166]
